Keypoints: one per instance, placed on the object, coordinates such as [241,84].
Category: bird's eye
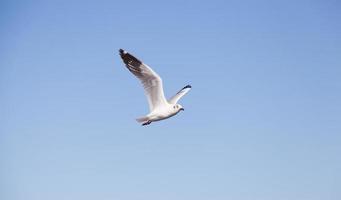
[174,107]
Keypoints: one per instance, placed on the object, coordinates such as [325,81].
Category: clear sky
[262,121]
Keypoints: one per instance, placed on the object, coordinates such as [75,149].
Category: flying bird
[160,108]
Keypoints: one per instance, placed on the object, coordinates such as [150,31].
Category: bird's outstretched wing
[151,81]
[180,94]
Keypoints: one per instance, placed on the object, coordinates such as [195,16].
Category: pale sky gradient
[262,122]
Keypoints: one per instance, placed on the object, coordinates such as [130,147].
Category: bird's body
[159,107]
[159,114]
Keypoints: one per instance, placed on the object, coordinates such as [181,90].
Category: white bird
[160,108]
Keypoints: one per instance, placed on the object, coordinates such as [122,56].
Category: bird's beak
[182,109]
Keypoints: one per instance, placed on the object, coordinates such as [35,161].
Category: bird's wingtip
[122,52]
[187,86]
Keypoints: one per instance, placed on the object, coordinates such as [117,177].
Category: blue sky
[261,122]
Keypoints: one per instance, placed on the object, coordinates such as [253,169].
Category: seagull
[160,108]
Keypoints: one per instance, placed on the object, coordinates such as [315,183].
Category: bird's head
[178,107]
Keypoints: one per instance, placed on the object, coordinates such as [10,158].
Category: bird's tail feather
[142,119]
